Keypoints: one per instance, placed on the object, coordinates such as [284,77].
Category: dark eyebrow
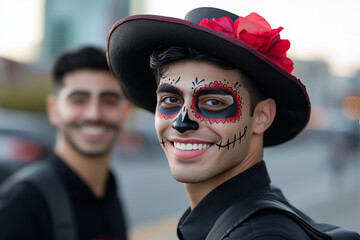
[102,94]
[111,93]
[165,87]
[78,92]
[214,90]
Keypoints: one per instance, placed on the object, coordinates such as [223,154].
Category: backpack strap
[44,177]
[242,209]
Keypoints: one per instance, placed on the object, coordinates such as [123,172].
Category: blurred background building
[76,23]
[319,170]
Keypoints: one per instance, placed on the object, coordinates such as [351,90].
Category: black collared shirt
[196,224]
[91,212]
[24,214]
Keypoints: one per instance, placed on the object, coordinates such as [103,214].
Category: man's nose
[93,112]
[183,123]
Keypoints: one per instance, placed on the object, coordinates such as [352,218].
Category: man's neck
[197,191]
[93,171]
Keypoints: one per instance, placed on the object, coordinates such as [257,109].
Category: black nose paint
[183,123]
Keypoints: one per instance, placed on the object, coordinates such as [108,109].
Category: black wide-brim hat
[132,40]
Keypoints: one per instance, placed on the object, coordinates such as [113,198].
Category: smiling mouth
[93,130]
[191,146]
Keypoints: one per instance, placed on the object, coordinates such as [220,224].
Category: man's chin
[187,178]
[94,153]
[90,150]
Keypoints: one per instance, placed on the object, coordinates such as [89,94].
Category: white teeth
[182,146]
[93,130]
[190,146]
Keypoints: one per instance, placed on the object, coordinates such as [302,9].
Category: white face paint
[215,112]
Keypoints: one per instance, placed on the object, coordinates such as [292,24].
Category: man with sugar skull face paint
[221,89]
[203,124]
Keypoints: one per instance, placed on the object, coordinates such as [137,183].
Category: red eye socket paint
[165,116]
[230,114]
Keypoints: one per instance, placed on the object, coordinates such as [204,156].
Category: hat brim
[133,39]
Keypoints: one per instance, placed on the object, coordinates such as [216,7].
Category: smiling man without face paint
[88,109]
[221,89]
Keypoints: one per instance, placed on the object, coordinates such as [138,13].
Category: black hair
[160,60]
[88,57]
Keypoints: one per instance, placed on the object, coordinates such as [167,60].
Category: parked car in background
[19,148]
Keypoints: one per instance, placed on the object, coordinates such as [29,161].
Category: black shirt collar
[78,190]
[196,224]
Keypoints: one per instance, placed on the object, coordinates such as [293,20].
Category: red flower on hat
[224,24]
[255,31]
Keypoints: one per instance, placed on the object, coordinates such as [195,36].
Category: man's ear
[264,115]
[51,109]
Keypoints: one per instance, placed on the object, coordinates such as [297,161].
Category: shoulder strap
[44,177]
[244,208]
